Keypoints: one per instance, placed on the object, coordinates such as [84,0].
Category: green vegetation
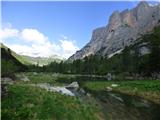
[9,64]
[148,89]
[41,78]
[128,63]
[40,61]
[24,102]
[50,78]
[27,60]
[18,57]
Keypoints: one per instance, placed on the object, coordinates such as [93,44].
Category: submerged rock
[82,91]
[116,97]
[88,95]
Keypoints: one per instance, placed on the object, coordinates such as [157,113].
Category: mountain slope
[28,60]
[18,57]
[137,61]
[42,60]
[142,57]
[9,63]
[123,30]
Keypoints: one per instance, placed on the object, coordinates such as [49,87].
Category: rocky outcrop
[123,30]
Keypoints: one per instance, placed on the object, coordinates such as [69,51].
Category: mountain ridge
[28,60]
[122,30]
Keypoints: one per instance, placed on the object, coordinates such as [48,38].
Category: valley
[115,76]
[91,100]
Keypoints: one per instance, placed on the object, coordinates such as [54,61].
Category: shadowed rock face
[123,29]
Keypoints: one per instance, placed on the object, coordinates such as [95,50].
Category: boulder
[108,88]
[50,88]
[82,91]
[73,85]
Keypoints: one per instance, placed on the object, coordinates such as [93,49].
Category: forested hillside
[17,56]
[10,64]
[142,57]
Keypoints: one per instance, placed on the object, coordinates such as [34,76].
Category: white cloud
[21,49]
[8,33]
[32,42]
[34,50]
[68,47]
[33,35]
[46,49]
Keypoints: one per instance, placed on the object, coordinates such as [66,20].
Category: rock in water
[123,30]
[50,88]
[108,89]
[73,85]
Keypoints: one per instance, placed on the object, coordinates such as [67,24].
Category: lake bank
[22,101]
[95,103]
[147,89]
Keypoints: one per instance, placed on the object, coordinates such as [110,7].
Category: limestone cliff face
[122,30]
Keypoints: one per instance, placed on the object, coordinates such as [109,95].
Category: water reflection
[116,106]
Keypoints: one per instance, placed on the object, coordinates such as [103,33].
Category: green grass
[31,103]
[41,78]
[50,78]
[148,89]
[28,103]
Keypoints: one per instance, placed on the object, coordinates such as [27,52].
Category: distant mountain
[140,60]
[27,60]
[18,57]
[42,60]
[122,30]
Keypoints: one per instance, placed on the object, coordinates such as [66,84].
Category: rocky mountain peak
[122,30]
[115,20]
[142,4]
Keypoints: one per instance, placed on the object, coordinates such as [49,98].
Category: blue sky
[64,26]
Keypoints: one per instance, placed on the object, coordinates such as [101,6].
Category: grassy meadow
[24,102]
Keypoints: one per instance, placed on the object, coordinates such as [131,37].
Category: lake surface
[116,106]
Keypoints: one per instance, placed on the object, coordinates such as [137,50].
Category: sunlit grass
[25,103]
[51,78]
